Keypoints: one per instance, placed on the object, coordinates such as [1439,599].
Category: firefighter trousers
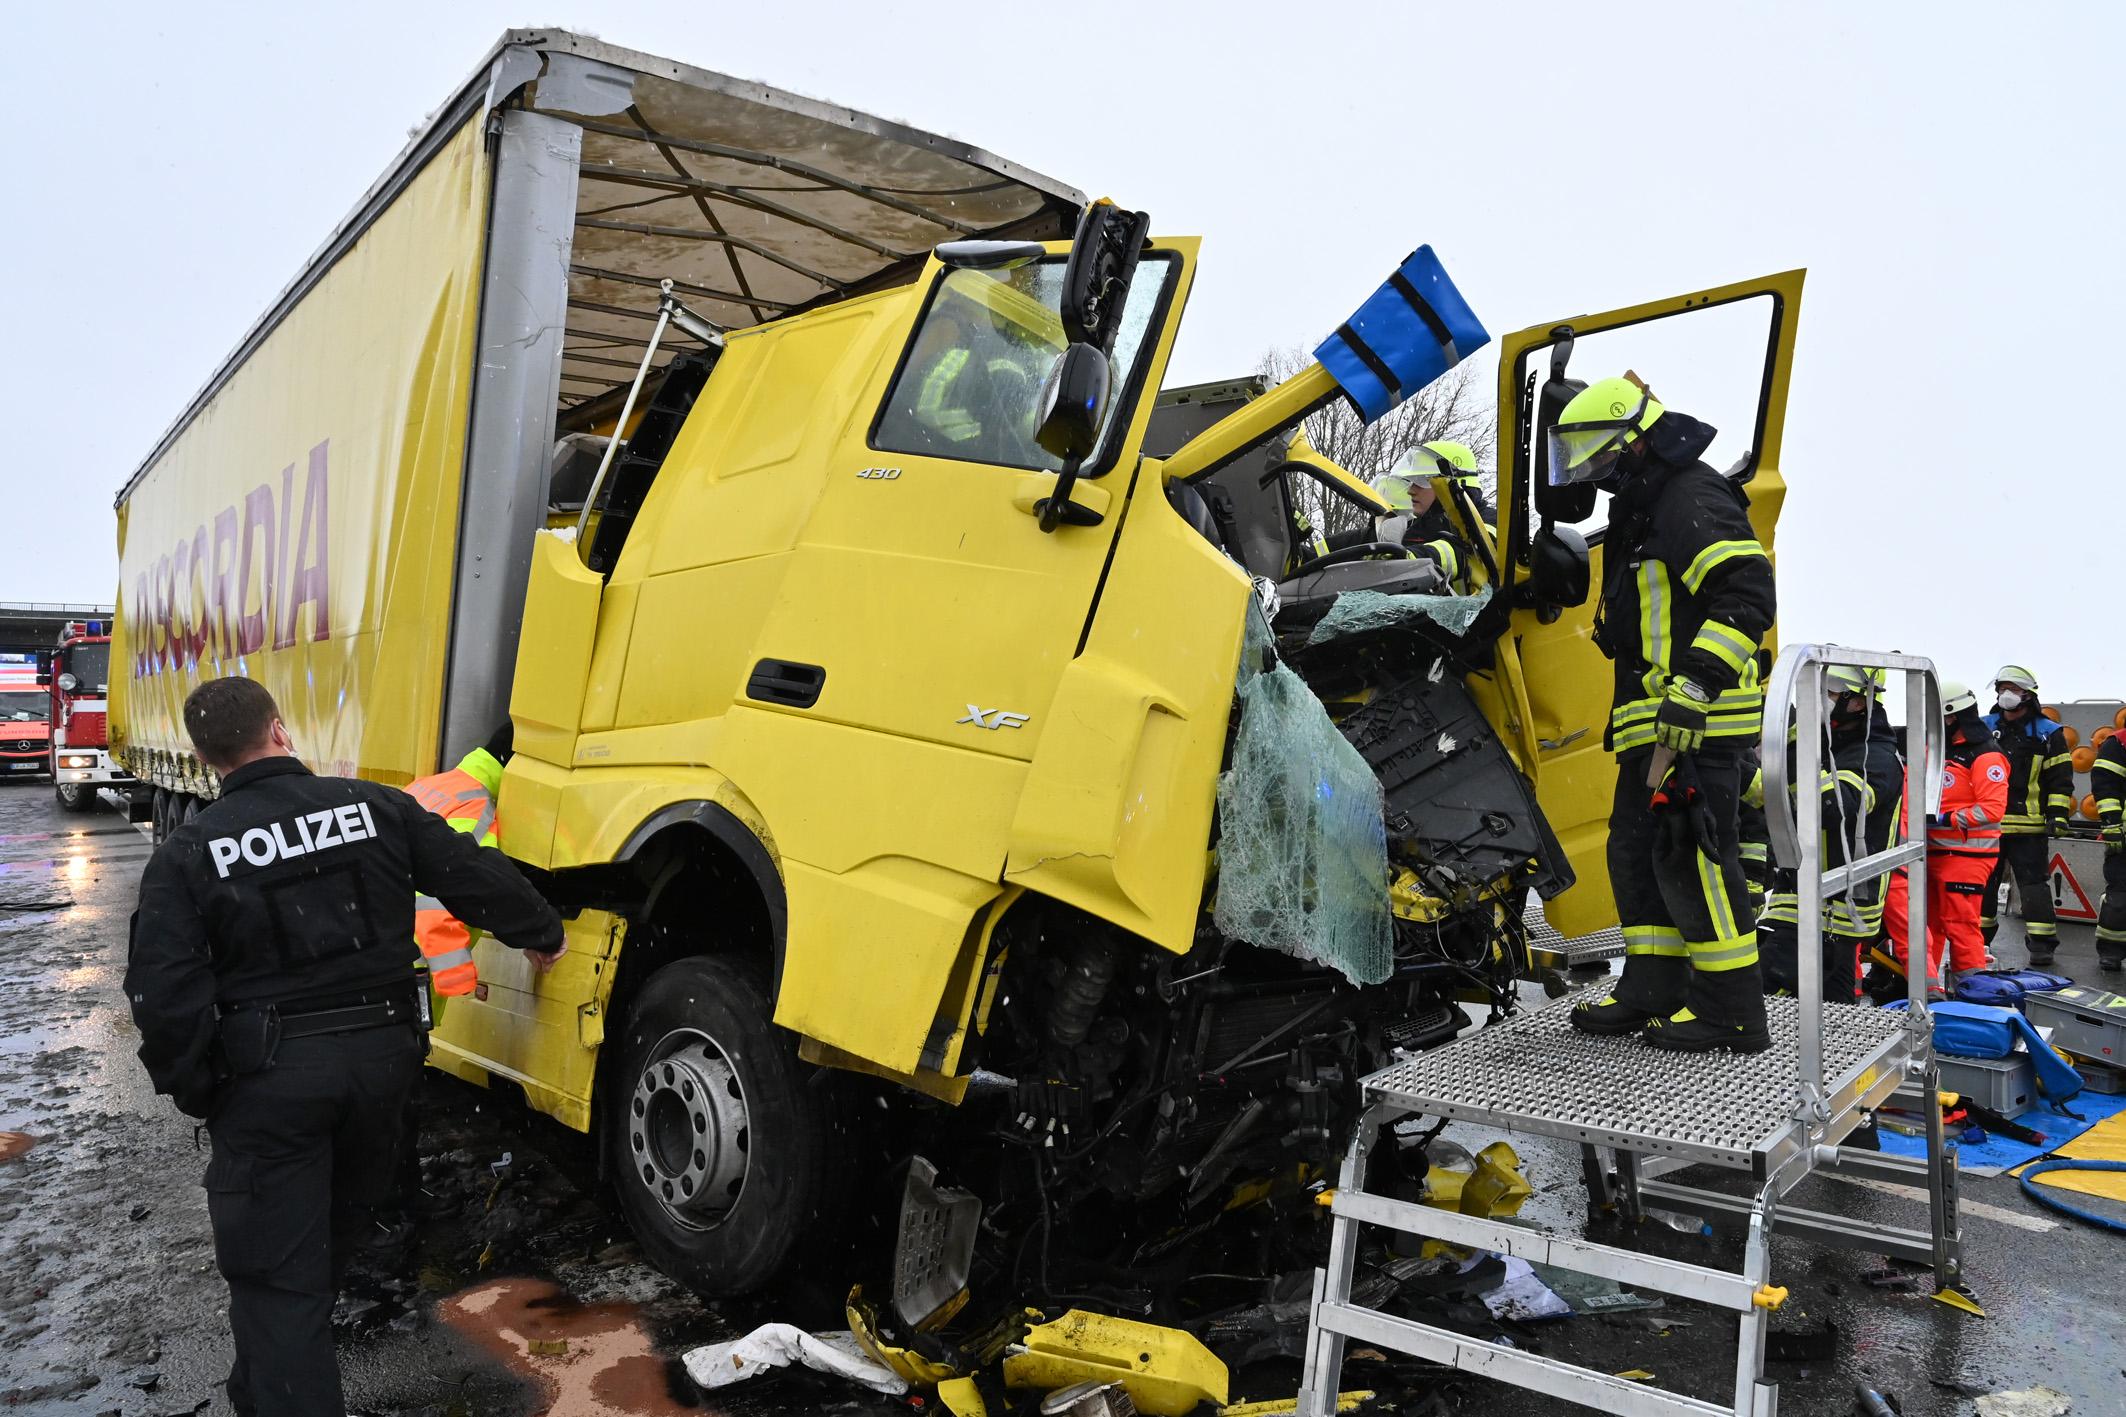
[1956,887]
[2028,858]
[1677,874]
[303,1150]
[1780,942]
[2111,916]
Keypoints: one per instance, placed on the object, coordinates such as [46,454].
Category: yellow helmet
[1451,460]
[1956,696]
[1601,421]
[1846,679]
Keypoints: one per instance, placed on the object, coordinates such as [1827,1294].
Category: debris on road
[772,1346]
[14,1144]
[2029,1402]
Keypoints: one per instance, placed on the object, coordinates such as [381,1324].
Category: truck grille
[21,745]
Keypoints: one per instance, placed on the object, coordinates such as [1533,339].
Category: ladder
[1777,1116]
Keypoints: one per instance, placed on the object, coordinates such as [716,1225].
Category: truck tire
[719,1137]
[75,796]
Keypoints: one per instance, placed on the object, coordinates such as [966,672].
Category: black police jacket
[294,889]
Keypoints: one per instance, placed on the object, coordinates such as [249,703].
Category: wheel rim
[688,1130]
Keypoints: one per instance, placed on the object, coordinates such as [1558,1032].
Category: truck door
[949,615]
[1721,355]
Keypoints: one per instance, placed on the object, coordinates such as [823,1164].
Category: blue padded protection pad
[1409,332]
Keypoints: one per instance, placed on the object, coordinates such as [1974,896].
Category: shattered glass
[1362,611]
[1302,852]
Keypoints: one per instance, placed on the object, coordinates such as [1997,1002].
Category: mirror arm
[1053,505]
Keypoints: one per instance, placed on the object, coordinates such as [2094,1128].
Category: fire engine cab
[79,679]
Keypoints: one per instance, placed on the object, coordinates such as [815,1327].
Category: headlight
[77,760]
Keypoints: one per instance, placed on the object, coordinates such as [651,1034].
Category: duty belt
[411,1009]
[304,1021]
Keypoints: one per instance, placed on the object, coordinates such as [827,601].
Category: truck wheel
[75,796]
[719,1136]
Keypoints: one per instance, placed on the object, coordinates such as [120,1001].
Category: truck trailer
[906,705]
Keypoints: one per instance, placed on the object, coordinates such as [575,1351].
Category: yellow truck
[911,701]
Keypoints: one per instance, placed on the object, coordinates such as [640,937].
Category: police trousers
[303,1149]
[2028,857]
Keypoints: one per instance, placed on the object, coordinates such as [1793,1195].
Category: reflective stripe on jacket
[2040,772]
[1974,798]
[465,798]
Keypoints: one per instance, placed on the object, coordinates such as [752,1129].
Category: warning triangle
[2069,901]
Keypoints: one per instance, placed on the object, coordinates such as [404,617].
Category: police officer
[2040,798]
[1686,598]
[271,975]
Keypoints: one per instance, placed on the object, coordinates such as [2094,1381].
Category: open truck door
[1723,355]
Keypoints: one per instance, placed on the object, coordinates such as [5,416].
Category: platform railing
[1794,713]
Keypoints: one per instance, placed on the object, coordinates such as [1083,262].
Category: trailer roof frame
[520,58]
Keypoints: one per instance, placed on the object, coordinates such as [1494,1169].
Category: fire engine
[78,754]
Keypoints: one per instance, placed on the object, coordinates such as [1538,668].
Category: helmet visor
[1584,452]
[1394,489]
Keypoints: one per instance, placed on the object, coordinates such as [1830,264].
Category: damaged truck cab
[912,703]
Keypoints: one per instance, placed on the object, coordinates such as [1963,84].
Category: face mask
[2010,699]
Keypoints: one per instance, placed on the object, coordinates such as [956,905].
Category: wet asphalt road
[529,1298]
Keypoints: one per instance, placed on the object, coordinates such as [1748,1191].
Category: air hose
[2050,1199]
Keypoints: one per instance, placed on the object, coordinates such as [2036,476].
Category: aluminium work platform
[1776,1117]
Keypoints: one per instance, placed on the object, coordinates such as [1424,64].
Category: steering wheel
[1364,551]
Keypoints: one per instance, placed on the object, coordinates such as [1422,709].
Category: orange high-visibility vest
[464,797]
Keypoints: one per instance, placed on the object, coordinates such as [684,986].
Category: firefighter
[1416,516]
[2107,775]
[2040,799]
[271,975]
[465,798]
[1862,785]
[1686,598]
[1963,846]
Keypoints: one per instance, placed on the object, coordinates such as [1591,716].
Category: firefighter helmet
[1599,423]
[1453,461]
[2015,674]
[1850,679]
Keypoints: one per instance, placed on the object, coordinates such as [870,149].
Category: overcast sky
[1948,173]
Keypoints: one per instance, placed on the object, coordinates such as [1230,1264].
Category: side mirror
[1575,503]
[1073,407]
[1073,404]
[1096,279]
[44,678]
[1558,570]
[990,255]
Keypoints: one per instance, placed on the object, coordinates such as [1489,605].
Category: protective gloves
[1680,725]
[2113,834]
[2055,826]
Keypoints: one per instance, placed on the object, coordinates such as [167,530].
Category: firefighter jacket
[297,891]
[1974,794]
[1862,785]
[1686,592]
[1432,531]
[465,798]
[2107,780]
[2040,772]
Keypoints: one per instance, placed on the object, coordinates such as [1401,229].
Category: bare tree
[1455,406]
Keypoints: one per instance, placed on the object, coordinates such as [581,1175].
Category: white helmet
[1956,696]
